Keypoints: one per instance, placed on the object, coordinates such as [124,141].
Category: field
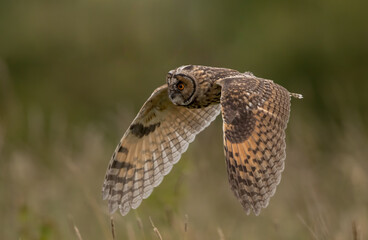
[74,74]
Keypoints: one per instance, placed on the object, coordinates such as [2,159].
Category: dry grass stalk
[79,236]
[155,229]
[314,234]
[74,226]
[220,233]
[112,227]
[140,223]
[355,231]
[186,223]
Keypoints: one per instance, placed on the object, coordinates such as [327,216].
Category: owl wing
[255,112]
[150,147]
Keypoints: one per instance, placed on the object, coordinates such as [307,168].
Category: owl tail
[296,95]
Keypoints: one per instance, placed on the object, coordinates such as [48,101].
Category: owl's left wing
[255,112]
[150,147]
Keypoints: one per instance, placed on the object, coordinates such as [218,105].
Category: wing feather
[158,161]
[150,147]
[148,168]
[255,113]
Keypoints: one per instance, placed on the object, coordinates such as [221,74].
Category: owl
[255,112]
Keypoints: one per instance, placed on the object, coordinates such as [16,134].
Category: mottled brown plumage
[255,113]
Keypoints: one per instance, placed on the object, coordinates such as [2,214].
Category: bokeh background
[73,74]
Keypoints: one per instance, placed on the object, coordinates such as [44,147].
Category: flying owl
[255,112]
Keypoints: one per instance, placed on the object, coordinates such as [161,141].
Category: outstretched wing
[255,113]
[154,142]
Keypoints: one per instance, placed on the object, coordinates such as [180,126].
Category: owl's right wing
[150,147]
[255,112]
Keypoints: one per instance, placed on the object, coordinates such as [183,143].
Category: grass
[74,74]
[322,194]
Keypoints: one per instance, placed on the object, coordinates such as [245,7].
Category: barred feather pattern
[255,113]
[154,142]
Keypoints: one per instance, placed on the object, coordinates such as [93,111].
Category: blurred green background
[73,74]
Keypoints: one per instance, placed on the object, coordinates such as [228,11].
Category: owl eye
[180,86]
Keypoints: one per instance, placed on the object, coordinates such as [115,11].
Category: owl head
[181,85]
